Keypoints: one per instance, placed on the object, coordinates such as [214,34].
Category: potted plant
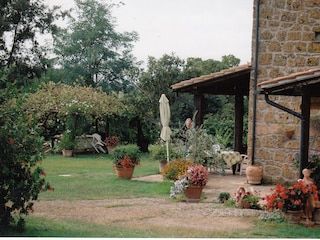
[223,196]
[111,142]
[290,200]
[158,152]
[191,183]
[247,199]
[289,130]
[125,158]
[67,143]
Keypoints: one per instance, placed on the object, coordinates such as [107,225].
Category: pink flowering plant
[195,175]
[112,141]
[313,159]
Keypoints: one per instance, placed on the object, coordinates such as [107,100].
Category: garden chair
[97,143]
[244,163]
[215,150]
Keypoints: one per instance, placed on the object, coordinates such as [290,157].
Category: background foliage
[105,89]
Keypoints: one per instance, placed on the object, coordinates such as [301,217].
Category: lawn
[91,177]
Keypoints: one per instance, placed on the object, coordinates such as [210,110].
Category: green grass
[93,178]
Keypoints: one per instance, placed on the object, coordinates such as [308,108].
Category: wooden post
[199,104]
[238,123]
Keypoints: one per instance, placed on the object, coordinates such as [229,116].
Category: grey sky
[189,28]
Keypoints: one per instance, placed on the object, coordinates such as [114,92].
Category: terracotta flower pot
[293,216]
[289,133]
[67,153]
[244,204]
[254,174]
[193,193]
[123,172]
[111,149]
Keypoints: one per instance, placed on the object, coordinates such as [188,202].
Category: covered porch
[233,81]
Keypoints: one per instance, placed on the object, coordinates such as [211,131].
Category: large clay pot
[254,174]
[162,165]
[123,172]
[294,216]
[193,193]
[111,149]
[67,153]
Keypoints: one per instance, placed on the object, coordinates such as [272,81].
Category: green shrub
[159,152]
[272,216]
[230,203]
[67,141]
[223,196]
[22,178]
[126,150]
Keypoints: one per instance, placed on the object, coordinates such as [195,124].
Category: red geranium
[126,162]
[292,198]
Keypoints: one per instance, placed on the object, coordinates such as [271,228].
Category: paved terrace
[218,183]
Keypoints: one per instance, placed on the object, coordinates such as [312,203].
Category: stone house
[285,45]
[286,41]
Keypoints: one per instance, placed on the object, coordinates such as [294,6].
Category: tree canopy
[65,99]
[90,48]
[21,24]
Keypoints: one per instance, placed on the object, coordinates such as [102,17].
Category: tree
[91,48]
[158,78]
[160,75]
[21,23]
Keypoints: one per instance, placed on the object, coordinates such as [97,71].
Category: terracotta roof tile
[211,76]
[295,77]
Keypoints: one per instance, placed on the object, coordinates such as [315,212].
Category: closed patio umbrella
[165,119]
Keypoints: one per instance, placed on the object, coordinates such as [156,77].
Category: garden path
[161,214]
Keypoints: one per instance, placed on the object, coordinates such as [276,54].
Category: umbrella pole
[167,145]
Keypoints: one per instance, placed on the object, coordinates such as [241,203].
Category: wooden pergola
[233,81]
[306,85]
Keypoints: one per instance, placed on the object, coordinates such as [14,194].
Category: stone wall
[289,42]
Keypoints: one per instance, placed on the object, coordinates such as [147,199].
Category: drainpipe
[255,83]
[305,121]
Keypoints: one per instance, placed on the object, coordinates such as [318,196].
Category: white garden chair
[97,143]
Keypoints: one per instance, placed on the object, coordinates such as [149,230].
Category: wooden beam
[238,123]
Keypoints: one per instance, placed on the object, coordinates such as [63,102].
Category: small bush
[273,216]
[159,152]
[176,168]
[128,150]
[230,203]
[223,196]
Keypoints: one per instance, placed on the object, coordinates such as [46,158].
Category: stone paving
[218,183]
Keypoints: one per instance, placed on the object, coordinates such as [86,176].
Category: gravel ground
[146,213]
